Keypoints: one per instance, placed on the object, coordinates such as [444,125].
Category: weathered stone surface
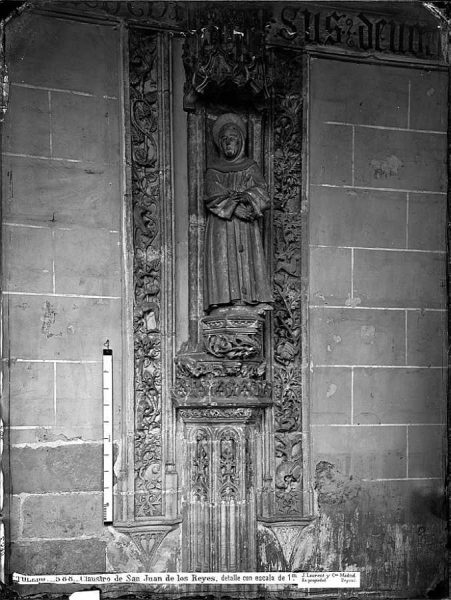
[270,555]
[427,451]
[78,401]
[357,337]
[36,190]
[124,554]
[27,123]
[351,93]
[399,279]
[331,396]
[384,530]
[31,394]
[426,338]
[330,275]
[31,43]
[61,516]
[400,160]
[96,270]
[13,517]
[399,395]
[58,556]
[331,155]
[343,217]
[428,105]
[357,450]
[57,433]
[66,468]
[427,222]
[63,328]
[168,557]
[27,259]
[91,134]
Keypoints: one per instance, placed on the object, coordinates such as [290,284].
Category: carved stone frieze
[197,364]
[147,273]
[223,414]
[287,276]
[214,389]
[298,25]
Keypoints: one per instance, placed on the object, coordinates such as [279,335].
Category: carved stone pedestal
[220,487]
[233,334]
[221,397]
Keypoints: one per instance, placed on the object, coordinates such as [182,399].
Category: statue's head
[229,134]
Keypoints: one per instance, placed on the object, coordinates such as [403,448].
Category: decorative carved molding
[197,364]
[200,467]
[226,52]
[228,468]
[300,25]
[148,543]
[287,272]
[223,414]
[232,389]
[147,273]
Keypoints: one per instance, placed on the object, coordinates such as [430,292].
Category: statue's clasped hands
[243,209]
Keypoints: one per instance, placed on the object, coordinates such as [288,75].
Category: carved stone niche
[224,360]
[223,390]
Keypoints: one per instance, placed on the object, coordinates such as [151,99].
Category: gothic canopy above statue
[225,52]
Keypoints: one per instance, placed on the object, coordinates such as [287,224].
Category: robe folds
[234,265]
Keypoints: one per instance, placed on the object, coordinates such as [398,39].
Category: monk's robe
[235,265]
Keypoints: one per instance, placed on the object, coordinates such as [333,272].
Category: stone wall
[62,284]
[378,321]
[377,195]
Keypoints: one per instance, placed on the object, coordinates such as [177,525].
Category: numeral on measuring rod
[107,381]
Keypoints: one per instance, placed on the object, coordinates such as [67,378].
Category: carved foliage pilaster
[147,272]
[287,282]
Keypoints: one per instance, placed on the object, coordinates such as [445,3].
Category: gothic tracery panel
[220,511]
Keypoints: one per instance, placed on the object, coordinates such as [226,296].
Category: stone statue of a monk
[236,197]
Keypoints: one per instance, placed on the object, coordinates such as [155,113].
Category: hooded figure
[236,197]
